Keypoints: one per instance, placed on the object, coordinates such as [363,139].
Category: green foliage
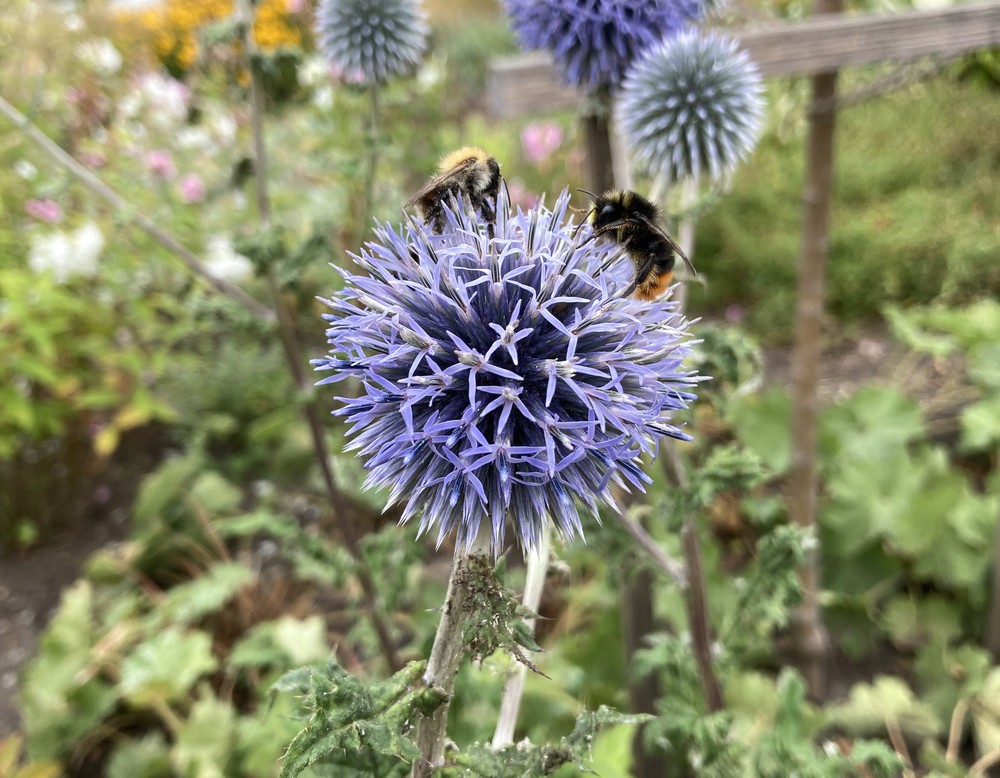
[526,760]
[354,726]
[901,231]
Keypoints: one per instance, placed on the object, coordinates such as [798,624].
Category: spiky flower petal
[594,42]
[502,381]
[692,107]
[379,38]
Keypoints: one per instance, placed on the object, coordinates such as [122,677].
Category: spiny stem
[442,666]
[124,209]
[294,353]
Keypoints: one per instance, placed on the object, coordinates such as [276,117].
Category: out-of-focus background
[167,549]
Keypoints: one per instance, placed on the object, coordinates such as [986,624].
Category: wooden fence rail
[526,84]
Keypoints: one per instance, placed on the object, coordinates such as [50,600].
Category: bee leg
[641,275]
[489,216]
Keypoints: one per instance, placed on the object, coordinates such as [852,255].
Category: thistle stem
[294,353]
[442,665]
[513,690]
[371,161]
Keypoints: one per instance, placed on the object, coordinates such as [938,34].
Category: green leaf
[215,494]
[207,594]
[762,423]
[165,667]
[911,621]
[165,489]
[907,328]
[205,743]
[145,757]
[354,722]
[286,642]
[888,699]
[983,362]
[873,422]
[981,424]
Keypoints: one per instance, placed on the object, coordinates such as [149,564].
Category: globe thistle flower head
[692,107]
[503,383]
[594,42]
[379,38]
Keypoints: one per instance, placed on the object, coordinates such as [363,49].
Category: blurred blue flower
[502,382]
[379,38]
[594,42]
[693,106]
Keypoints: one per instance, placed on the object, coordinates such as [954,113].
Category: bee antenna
[578,189]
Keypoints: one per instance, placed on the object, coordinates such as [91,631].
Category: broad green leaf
[985,714]
[984,364]
[284,643]
[145,757]
[981,424]
[762,423]
[164,489]
[206,594]
[907,327]
[205,743]
[888,699]
[165,667]
[215,494]
[874,422]
[912,621]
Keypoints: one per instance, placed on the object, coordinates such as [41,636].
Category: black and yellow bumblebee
[469,170]
[632,222]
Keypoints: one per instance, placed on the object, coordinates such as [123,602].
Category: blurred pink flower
[734,314]
[191,188]
[295,6]
[539,140]
[160,163]
[93,158]
[520,196]
[45,210]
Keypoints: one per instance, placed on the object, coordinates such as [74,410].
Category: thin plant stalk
[371,161]
[124,210]
[513,690]
[993,620]
[695,594]
[443,663]
[808,632]
[295,357]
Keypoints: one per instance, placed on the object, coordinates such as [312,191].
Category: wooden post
[808,630]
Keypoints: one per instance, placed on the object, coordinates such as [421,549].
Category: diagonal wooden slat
[527,83]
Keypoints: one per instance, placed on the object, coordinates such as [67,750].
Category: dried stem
[955,730]
[664,561]
[513,690]
[125,210]
[808,631]
[697,609]
[442,667]
[294,353]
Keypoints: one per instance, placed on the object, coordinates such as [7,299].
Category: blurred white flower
[67,254]
[322,97]
[73,22]
[223,127]
[164,100]
[222,261]
[25,169]
[314,71]
[431,73]
[100,55]
[195,139]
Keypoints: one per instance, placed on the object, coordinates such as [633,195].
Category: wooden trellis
[525,84]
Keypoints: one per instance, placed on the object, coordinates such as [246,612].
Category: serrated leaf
[285,642]
[165,667]
[981,425]
[190,601]
[873,422]
[205,742]
[215,494]
[888,699]
[762,423]
[145,757]
[911,622]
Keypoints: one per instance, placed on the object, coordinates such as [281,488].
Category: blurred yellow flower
[174,26]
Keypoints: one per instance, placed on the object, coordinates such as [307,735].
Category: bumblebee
[469,170]
[632,222]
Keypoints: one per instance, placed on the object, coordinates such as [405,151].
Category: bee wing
[440,180]
[673,244]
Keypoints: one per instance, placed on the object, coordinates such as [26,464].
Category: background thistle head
[692,107]
[379,38]
[593,42]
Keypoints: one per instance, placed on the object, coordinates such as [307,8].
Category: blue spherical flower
[377,38]
[502,381]
[693,106]
[595,41]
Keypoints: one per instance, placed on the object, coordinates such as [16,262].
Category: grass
[915,215]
